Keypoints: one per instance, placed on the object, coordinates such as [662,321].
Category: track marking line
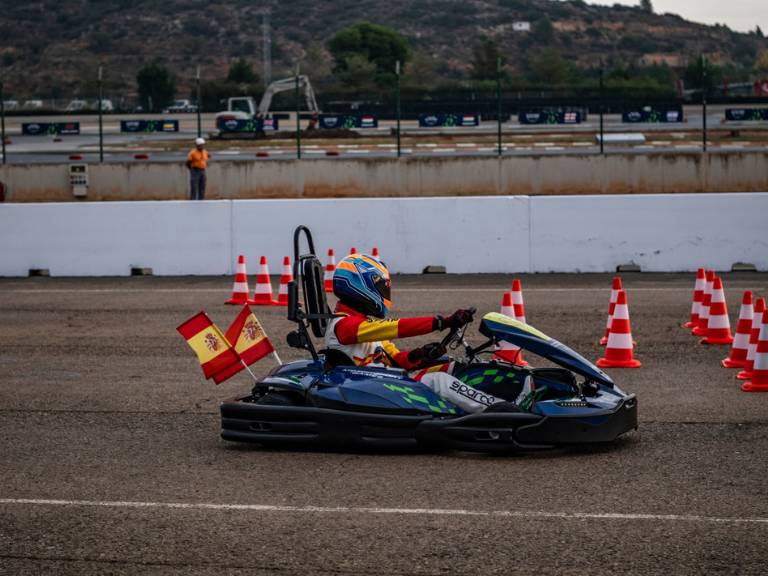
[524,514]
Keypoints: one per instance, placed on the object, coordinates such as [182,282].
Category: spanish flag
[211,346]
[250,342]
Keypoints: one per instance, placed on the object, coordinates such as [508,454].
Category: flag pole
[277,358]
[249,371]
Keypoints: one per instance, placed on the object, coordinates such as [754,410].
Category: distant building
[521,26]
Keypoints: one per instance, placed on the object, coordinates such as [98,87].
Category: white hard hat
[199,141]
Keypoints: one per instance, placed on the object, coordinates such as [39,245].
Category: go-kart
[328,401]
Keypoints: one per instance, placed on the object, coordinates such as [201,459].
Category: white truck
[244,107]
[180,106]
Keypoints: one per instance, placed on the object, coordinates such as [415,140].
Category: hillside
[51,49]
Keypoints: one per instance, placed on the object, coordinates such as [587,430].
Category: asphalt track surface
[111,461]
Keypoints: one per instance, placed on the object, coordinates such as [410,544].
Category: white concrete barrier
[105,239]
[465,234]
[668,232]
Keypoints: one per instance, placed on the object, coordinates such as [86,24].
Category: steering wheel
[456,334]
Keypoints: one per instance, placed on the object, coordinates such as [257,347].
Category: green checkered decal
[490,375]
[407,394]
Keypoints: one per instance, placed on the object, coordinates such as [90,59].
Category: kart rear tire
[279,399]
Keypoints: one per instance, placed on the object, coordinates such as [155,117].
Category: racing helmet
[362,283]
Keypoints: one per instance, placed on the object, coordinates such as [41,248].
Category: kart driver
[360,330]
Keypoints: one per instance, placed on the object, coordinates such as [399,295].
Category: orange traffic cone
[240,288]
[719,326]
[618,352]
[615,289]
[262,296]
[759,380]
[517,300]
[286,275]
[706,301]
[738,356]
[698,293]
[506,351]
[330,268]
[754,336]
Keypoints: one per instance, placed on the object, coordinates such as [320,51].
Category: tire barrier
[2,192]
[653,116]
[746,114]
[149,126]
[348,121]
[50,128]
[448,120]
[551,117]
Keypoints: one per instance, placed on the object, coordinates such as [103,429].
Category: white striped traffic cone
[759,380]
[738,356]
[619,350]
[262,296]
[286,275]
[375,253]
[719,325]
[240,290]
[706,301]
[517,300]
[615,289]
[330,268]
[352,251]
[698,294]
[506,351]
[754,336]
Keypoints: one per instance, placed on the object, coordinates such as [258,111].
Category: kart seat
[313,288]
[334,358]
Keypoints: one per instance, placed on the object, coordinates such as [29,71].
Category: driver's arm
[356,329]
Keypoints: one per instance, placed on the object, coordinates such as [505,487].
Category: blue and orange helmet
[362,283]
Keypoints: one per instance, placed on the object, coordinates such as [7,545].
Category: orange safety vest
[198,159]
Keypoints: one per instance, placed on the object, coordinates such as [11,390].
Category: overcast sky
[741,15]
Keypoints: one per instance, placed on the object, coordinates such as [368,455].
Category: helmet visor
[383,286]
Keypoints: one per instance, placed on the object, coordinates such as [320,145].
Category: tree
[759,32]
[549,67]
[378,45]
[156,85]
[485,57]
[543,32]
[761,64]
[646,6]
[358,73]
[241,72]
[317,59]
[702,74]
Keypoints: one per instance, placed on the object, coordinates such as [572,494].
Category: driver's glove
[431,351]
[455,320]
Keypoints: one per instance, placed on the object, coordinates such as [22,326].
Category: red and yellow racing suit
[369,340]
